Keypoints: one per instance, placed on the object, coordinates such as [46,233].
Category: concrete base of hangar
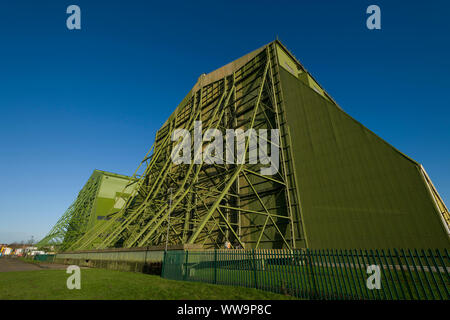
[143,259]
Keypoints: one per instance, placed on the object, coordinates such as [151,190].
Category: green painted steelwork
[104,194]
[213,203]
[338,185]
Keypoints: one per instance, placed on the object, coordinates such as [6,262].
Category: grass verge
[100,284]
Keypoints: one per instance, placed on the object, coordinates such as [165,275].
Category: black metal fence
[320,274]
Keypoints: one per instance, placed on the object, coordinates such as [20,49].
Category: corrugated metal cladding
[356,190]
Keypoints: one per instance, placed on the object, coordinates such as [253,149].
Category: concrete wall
[146,259]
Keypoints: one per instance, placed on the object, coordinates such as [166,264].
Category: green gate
[44,257]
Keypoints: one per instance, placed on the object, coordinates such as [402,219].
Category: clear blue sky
[74,101]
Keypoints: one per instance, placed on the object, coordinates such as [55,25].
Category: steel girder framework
[74,221]
[210,204]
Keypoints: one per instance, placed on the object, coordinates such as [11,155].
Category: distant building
[103,195]
[18,252]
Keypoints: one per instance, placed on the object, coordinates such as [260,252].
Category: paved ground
[14,264]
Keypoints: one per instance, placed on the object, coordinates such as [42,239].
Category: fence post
[400,262]
[438,255]
[215,266]
[186,253]
[254,269]
[163,265]
[309,258]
